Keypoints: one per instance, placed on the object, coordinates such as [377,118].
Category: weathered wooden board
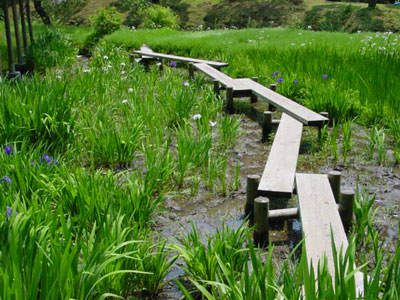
[181,58]
[280,169]
[319,217]
[222,78]
[293,109]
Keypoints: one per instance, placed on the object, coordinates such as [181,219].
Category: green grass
[89,151]
[354,64]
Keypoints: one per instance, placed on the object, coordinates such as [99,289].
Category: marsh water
[209,210]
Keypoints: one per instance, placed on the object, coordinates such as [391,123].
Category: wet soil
[208,210]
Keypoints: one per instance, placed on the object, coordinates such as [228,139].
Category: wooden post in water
[272,87]
[261,224]
[23,25]
[254,98]
[229,99]
[191,71]
[216,87]
[251,193]
[29,18]
[334,180]
[267,126]
[16,32]
[346,208]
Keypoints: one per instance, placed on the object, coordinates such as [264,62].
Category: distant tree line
[371,3]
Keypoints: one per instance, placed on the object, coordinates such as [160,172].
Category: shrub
[351,19]
[246,13]
[106,21]
[51,48]
[157,16]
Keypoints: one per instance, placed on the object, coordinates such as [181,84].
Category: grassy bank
[362,69]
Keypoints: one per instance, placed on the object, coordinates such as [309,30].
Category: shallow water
[208,210]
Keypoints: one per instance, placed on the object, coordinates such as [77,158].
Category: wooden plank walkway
[280,169]
[180,58]
[290,107]
[319,215]
[222,78]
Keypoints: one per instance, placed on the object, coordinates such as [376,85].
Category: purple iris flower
[32,163]
[172,64]
[7,179]
[296,81]
[9,212]
[276,74]
[7,149]
[280,80]
[46,158]
[324,76]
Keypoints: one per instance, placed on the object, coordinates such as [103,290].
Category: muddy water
[208,210]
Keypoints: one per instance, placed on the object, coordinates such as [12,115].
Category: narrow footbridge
[325,212]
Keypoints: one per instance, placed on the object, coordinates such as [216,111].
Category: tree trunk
[42,13]
[372,3]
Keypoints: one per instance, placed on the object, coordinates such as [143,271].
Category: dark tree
[41,12]
[372,3]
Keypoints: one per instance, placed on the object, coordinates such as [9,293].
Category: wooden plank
[280,169]
[181,58]
[319,215]
[290,107]
[223,79]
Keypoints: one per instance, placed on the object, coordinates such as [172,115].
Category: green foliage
[157,16]
[106,21]
[377,143]
[202,260]
[51,48]
[216,277]
[64,11]
[351,19]
[244,14]
[38,111]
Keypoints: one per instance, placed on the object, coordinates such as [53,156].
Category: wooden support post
[16,32]
[29,18]
[253,98]
[251,193]
[334,180]
[11,67]
[346,208]
[146,65]
[23,25]
[8,37]
[216,87]
[267,126]
[229,100]
[283,214]
[272,87]
[261,224]
[191,71]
